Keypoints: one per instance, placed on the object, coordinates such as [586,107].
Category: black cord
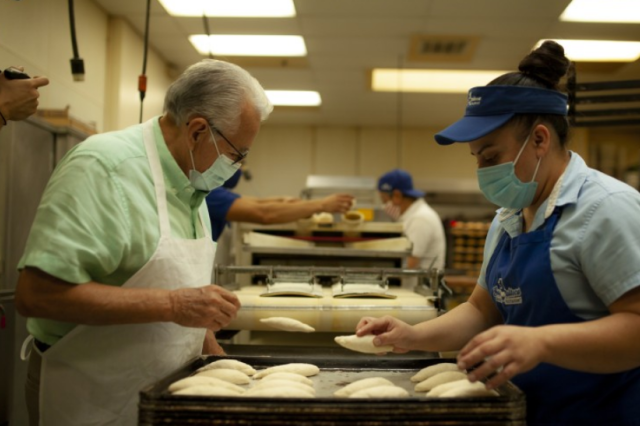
[72,24]
[142,80]
[77,64]
[206,30]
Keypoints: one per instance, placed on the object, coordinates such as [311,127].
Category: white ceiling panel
[347,38]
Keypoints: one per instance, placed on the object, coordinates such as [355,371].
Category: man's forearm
[90,303]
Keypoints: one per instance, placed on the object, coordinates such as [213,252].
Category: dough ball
[278,392]
[381,392]
[432,370]
[298,368]
[227,374]
[231,364]
[292,377]
[287,324]
[362,344]
[356,386]
[206,390]
[439,379]
[202,380]
[324,218]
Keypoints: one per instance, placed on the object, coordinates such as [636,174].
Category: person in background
[19,98]
[557,305]
[421,224]
[116,275]
[226,206]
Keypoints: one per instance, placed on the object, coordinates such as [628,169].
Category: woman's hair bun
[547,64]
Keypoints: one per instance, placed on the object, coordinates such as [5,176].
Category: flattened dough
[206,390]
[356,386]
[287,324]
[278,392]
[292,377]
[362,344]
[283,383]
[229,363]
[385,391]
[298,368]
[202,380]
[439,379]
[432,370]
[227,374]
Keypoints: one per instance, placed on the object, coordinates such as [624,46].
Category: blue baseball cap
[489,107]
[400,180]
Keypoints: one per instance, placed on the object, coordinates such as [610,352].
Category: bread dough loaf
[432,370]
[206,390]
[440,389]
[438,379]
[227,374]
[278,392]
[230,363]
[284,383]
[298,368]
[362,344]
[469,390]
[381,392]
[202,380]
[356,386]
[292,377]
[287,324]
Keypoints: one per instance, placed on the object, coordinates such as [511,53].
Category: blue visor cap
[489,107]
[400,180]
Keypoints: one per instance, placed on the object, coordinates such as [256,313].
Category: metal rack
[625,93]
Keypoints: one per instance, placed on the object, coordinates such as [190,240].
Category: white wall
[283,156]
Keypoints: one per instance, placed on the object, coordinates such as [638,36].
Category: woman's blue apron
[521,283]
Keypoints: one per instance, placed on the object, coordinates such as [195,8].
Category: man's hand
[19,98]
[389,331]
[337,203]
[209,307]
[210,346]
[504,351]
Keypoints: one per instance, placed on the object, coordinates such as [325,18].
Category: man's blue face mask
[501,186]
[221,170]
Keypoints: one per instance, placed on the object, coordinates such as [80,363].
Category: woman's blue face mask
[501,186]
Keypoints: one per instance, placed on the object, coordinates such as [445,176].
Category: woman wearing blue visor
[557,305]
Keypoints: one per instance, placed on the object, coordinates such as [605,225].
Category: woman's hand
[502,350]
[389,331]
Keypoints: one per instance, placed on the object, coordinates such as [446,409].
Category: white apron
[93,375]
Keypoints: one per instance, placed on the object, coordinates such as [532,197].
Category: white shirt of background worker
[421,224]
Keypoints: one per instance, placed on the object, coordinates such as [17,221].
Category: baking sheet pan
[159,407]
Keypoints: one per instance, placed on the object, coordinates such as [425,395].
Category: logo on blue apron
[506,295]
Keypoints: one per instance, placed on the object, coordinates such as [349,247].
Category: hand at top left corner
[503,351]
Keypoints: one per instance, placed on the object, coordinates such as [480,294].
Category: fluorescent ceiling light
[249,45]
[231,8]
[620,11]
[435,81]
[294,97]
[599,50]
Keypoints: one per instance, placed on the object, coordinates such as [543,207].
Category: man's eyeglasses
[241,155]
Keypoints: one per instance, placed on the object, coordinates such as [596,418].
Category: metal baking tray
[159,407]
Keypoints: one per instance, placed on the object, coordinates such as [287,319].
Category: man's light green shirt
[98,218]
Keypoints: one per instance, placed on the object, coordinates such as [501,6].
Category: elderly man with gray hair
[116,274]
